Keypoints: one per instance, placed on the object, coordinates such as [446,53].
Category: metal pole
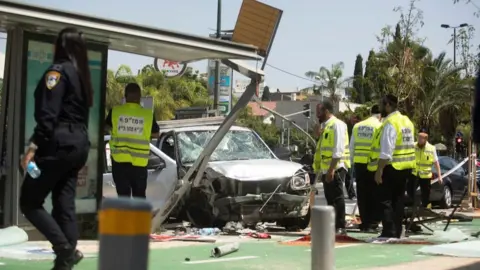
[455,46]
[283,133]
[124,228]
[306,129]
[323,238]
[288,136]
[216,91]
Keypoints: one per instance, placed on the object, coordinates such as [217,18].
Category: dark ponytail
[71,45]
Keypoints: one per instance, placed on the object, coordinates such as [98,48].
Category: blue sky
[312,33]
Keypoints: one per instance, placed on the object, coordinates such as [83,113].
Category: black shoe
[64,258]
[341,232]
[77,257]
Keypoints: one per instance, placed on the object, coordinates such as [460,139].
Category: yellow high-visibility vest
[131,131]
[363,133]
[325,145]
[424,158]
[403,156]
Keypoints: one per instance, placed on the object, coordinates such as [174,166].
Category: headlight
[300,181]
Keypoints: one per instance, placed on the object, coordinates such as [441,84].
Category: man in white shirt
[392,158]
[334,158]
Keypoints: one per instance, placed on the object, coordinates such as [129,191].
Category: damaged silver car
[244,180]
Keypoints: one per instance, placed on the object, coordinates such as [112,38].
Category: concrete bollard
[124,228]
[323,238]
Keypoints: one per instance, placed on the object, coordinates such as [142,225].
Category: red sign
[170,68]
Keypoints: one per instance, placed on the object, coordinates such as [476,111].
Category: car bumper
[280,198]
[263,206]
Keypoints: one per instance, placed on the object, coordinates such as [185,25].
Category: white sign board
[170,68]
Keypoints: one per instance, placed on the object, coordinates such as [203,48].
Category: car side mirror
[155,163]
[282,153]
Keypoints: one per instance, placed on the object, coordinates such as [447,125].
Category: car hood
[254,170]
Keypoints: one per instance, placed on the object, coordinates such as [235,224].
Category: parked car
[244,180]
[453,187]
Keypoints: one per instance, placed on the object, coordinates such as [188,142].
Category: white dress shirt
[339,131]
[388,140]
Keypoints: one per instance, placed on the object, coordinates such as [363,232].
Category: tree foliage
[168,95]
[358,80]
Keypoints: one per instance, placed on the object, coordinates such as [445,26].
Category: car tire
[447,198]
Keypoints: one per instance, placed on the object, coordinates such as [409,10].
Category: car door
[458,181]
[161,171]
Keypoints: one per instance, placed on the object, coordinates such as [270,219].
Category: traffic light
[458,144]
[307,111]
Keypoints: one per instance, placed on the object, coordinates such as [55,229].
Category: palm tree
[331,80]
[440,88]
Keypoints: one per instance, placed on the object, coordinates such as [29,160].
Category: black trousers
[392,200]
[366,199]
[130,181]
[425,188]
[335,197]
[59,163]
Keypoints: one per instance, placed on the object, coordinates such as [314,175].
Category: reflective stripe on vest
[363,133]
[325,145]
[403,156]
[424,160]
[131,131]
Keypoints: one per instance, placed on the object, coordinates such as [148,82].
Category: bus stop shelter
[31,32]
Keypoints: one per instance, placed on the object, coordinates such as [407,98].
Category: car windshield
[236,145]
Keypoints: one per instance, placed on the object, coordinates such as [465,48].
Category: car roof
[203,128]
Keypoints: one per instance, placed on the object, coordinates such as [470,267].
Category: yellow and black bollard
[124,228]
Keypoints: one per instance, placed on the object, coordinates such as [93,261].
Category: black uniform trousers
[130,181]
[59,163]
[366,199]
[334,195]
[425,188]
[392,200]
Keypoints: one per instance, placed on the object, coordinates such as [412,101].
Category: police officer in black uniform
[59,146]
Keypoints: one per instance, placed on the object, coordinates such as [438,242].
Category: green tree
[331,79]
[168,94]
[441,87]
[266,94]
[358,80]
[368,77]
[398,33]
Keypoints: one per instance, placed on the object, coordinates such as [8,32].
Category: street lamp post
[466,201]
[216,91]
[454,39]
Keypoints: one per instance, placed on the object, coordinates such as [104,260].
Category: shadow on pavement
[473,266]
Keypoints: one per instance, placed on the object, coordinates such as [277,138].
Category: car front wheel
[446,201]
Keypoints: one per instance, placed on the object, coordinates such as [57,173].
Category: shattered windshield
[236,145]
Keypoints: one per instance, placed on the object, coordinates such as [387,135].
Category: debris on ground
[221,251]
[439,236]
[184,238]
[466,249]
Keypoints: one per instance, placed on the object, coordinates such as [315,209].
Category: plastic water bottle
[209,231]
[33,170]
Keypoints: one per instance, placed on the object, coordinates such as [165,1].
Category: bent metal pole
[124,228]
[323,238]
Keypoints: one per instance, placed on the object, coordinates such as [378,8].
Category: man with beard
[392,158]
[425,157]
[360,147]
[332,160]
